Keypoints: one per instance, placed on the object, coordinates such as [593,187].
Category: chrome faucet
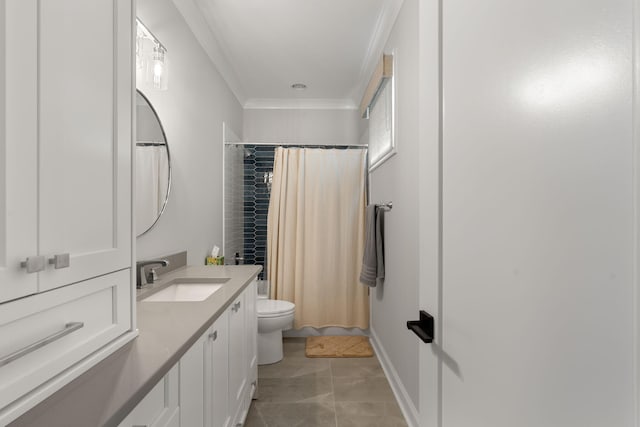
[142,278]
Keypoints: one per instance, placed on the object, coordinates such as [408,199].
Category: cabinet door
[65,140]
[192,383]
[217,386]
[237,356]
[18,145]
[84,124]
[159,408]
[251,334]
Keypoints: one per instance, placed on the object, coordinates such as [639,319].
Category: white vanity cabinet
[218,373]
[237,357]
[243,358]
[251,347]
[192,383]
[204,379]
[65,191]
[160,407]
[216,392]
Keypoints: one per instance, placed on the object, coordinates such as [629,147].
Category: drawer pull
[68,328]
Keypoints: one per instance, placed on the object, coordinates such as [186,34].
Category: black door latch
[423,328]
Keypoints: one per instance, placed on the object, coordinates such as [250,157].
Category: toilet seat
[274,308]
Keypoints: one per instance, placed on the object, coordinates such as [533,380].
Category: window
[378,105]
[381,141]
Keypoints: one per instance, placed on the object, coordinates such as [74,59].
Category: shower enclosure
[248,175]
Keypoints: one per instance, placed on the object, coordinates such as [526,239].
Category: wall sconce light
[152,69]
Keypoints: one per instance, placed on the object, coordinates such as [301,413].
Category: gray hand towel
[373,257]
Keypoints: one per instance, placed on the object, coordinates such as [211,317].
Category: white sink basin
[184,292]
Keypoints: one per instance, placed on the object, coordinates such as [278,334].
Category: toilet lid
[271,307]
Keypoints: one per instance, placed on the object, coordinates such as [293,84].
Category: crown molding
[384,25]
[299,104]
[194,17]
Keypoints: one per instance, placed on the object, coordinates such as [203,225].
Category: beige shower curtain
[315,232]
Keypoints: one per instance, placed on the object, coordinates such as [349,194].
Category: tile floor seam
[333,394]
[355,410]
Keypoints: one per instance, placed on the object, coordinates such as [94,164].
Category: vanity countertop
[107,392]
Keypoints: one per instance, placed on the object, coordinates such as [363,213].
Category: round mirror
[153,166]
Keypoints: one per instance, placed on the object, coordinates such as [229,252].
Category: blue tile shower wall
[257,163]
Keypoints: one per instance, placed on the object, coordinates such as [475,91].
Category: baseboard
[404,401]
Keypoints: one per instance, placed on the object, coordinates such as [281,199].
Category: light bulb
[159,68]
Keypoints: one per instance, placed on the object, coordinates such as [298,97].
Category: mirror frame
[166,144]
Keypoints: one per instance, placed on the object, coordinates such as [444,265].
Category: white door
[193,383]
[237,356]
[65,140]
[84,137]
[251,332]
[536,296]
[18,148]
[217,375]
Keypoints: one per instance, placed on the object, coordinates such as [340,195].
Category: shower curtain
[152,170]
[315,234]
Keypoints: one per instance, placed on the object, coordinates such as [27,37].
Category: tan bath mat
[342,346]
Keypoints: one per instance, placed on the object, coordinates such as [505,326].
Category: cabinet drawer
[49,332]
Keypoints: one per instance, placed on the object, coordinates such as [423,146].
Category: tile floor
[321,392]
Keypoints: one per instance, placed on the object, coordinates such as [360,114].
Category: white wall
[396,301]
[303,126]
[192,111]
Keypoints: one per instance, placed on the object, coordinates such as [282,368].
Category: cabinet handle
[33,264]
[60,261]
[213,336]
[68,328]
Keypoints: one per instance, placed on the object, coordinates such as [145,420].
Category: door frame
[430,206]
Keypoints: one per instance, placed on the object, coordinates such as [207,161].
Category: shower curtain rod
[294,144]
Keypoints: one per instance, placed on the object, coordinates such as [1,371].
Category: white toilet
[274,316]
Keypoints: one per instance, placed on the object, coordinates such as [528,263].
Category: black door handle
[423,328]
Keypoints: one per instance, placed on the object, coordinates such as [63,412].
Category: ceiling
[262,47]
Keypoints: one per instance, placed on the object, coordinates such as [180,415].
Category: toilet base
[270,347]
